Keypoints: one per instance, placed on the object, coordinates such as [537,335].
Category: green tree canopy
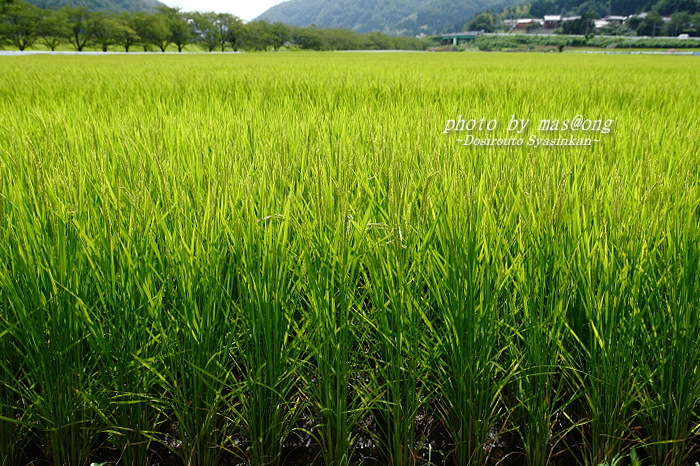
[77,20]
[19,24]
[482,22]
[178,26]
[51,28]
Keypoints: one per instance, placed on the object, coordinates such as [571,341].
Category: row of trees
[22,25]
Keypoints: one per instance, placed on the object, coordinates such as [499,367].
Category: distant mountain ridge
[399,17]
[102,5]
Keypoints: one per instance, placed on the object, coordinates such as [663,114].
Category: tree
[18,24]
[217,30]
[102,29]
[681,23]
[625,7]
[375,41]
[695,25]
[227,27]
[178,26]
[308,38]
[159,32]
[152,29]
[51,29]
[668,7]
[651,25]
[77,26]
[539,8]
[280,35]
[581,26]
[593,8]
[205,32]
[259,36]
[180,33]
[124,33]
[341,39]
[107,29]
[633,23]
[236,32]
[482,22]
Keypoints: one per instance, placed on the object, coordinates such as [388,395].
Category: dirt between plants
[300,448]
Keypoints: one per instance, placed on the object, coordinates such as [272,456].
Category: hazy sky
[245,10]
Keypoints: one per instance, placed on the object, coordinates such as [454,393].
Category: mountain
[102,5]
[408,17]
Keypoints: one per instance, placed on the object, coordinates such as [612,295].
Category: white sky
[245,10]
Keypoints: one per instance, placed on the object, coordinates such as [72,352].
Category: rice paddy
[284,259]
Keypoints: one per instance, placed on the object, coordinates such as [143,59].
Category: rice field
[272,259]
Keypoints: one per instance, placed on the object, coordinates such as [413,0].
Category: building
[570,18]
[528,23]
[616,20]
[552,21]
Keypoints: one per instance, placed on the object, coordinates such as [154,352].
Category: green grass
[217,253]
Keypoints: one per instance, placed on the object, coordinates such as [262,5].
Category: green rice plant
[118,271]
[197,373]
[53,325]
[671,388]
[8,438]
[62,397]
[397,349]
[267,350]
[395,389]
[331,271]
[8,399]
[132,412]
[616,290]
[541,387]
[472,334]
[609,364]
[11,438]
[199,396]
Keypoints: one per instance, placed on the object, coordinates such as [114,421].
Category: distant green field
[289,259]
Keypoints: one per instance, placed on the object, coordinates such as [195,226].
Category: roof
[552,17]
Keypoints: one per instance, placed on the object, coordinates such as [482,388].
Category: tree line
[23,25]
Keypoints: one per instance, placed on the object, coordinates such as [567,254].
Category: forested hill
[407,17]
[102,5]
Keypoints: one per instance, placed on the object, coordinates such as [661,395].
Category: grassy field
[226,258]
